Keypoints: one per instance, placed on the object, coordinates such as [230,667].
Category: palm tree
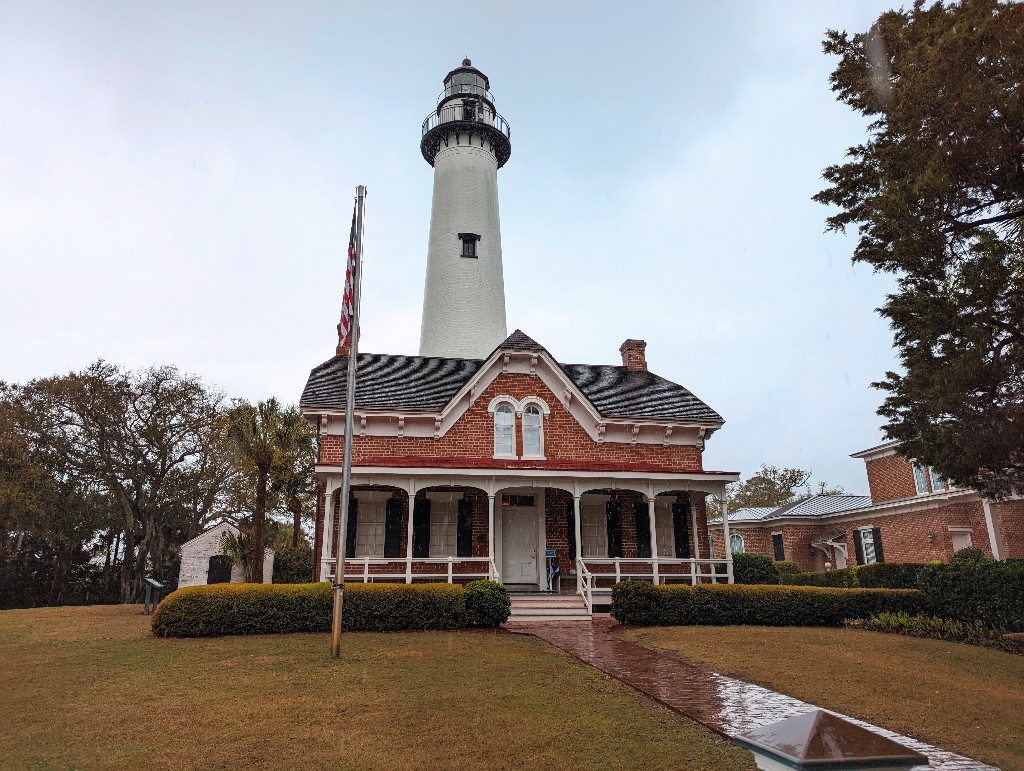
[262,436]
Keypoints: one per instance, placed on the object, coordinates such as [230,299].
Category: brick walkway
[723,704]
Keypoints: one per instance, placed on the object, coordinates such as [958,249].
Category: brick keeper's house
[912,515]
[484,457]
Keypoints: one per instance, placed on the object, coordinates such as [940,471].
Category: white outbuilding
[203,560]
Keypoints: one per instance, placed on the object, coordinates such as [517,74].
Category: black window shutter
[393,528]
[643,530]
[681,528]
[570,523]
[350,527]
[464,533]
[421,528]
[858,547]
[876,536]
[780,551]
[613,520]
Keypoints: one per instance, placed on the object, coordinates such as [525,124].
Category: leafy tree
[263,437]
[937,196]
[133,457]
[772,486]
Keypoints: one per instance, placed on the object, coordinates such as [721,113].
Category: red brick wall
[473,436]
[1011,527]
[890,478]
[905,537]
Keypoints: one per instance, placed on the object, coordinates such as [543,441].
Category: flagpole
[350,403]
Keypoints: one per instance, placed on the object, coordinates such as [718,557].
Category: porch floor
[724,704]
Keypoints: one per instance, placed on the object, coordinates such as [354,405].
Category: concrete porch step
[551,607]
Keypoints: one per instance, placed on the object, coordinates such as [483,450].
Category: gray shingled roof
[414,382]
[815,506]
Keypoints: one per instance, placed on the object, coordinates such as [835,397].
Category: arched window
[736,543]
[533,432]
[504,430]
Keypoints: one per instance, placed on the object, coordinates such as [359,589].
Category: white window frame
[936,481]
[867,537]
[732,543]
[664,527]
[498,406]
[920,478]
[444,517]
[540,432]
[594,527]
[370,525]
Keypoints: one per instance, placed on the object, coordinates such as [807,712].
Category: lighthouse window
[469,244]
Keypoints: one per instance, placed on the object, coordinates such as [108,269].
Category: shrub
[224,609]
[642,604]
[883,575]
[754,569]
[392,607]
[220,609]
[971,589]
[293,564]
[786,570]
[487,603]
[943,629]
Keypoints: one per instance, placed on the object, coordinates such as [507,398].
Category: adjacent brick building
[912,515]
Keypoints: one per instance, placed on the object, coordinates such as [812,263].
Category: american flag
[348,300]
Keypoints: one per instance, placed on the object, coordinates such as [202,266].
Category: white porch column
[654,539]
[578,527]
[725,533]
[328,533]
[408,534]
[696,532]
[992,524]
[490,531]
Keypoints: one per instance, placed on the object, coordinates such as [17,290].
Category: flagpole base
[339,601]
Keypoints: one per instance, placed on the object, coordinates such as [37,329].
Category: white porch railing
[626,568]
[358,569]
[585,585]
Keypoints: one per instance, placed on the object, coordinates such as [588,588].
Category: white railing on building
[406,573]
[585,585]
[700,570]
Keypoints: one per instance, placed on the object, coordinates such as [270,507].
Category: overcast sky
[176,184]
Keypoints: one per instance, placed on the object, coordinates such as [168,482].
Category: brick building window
[736,545]
[920,479]
[533,432]
[778,547]
[938,483]
[504,431]
[867,543]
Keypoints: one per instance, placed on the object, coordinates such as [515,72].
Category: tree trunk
[257,523]
[295,506]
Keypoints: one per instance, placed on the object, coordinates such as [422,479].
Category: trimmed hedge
[487,603]
[882,575]
[638,603]
[227,609]
[975,589]
[754,569]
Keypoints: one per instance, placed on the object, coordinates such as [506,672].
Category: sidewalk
[723,704]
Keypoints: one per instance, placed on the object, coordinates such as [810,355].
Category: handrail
[585,585]
[495,575]
[458,113]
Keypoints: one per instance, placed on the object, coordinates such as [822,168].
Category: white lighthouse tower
[466,141]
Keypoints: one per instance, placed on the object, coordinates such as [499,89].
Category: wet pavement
[723,704]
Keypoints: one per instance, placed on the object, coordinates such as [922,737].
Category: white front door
[518,545]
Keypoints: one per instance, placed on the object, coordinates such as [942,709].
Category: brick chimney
[633,357]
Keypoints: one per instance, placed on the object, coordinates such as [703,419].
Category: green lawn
[960,697]
[89,687]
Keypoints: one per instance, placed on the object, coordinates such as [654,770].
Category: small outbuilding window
[736,543]
[469,241]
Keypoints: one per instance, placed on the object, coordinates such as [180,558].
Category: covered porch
[535,531]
